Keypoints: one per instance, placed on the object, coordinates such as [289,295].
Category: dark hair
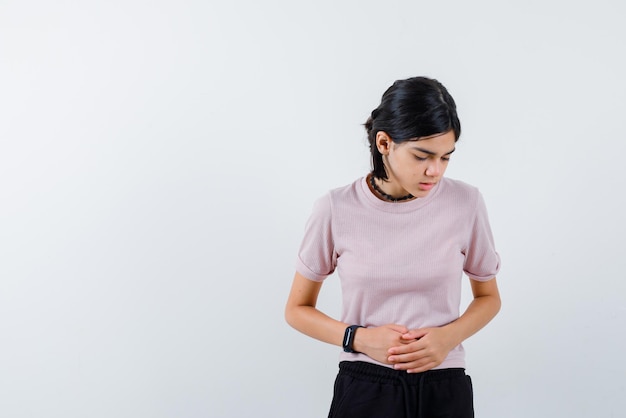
[409,110]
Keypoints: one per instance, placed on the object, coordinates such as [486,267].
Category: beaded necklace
[387,196]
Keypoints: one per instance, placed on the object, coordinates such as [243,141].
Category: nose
[434,168]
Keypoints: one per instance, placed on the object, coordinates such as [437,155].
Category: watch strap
[348,338]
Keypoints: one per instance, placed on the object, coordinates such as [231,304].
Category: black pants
[364,390]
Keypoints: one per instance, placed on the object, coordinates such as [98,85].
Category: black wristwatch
[348,338]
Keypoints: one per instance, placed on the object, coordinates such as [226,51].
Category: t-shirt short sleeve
[482,262]
[317,258]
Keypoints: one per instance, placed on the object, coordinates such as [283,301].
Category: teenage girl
[400,240]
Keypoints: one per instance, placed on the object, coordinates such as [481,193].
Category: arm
[432,345]
[302,315]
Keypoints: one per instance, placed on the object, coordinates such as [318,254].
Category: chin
[420,193]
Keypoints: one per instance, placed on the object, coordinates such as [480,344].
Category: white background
[158,161]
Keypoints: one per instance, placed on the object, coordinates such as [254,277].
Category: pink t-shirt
[400,262]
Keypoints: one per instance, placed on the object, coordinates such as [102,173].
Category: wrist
[349,339]
[454,335]
[360,340]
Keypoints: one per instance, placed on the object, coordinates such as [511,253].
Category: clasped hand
[415,351]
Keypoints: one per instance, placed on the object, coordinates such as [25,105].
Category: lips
[426,186]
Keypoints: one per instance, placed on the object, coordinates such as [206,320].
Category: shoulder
[339,196]
[349,191]
[469,200]
[458,189]
[455,186]
[463,197]
[344,196]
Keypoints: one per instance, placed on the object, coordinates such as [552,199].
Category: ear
[383,142]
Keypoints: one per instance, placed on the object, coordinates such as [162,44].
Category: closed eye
[418,158]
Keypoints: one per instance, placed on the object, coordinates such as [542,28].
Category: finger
[408,355]
[398,328]
[408,347]
[415,334]
[415,362]
[424,368]
[418,364]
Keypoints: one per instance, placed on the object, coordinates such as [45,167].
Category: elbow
[496,303]
[296,316]
[290,315]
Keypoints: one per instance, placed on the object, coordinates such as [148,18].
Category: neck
[385,196]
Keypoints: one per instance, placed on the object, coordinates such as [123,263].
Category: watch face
[348,338]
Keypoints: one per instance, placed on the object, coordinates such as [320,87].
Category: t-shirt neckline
[398,207]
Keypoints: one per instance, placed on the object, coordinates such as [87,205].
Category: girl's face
[415,166]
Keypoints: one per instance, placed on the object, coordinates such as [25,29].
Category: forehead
[439,143]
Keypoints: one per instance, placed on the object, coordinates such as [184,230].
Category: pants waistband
[377,373]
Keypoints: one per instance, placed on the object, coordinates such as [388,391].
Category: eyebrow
[425,151]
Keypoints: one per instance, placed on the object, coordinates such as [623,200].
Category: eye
[445,158]
[418,158]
